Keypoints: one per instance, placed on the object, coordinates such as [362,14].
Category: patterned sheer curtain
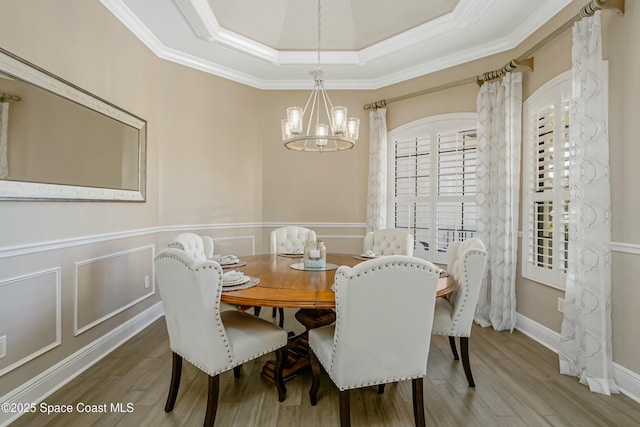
[497,197]
[4,128]
[585,344]
[377,191]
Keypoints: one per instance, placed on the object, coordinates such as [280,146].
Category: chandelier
[327,127]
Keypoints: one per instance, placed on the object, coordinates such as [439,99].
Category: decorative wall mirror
[60,142]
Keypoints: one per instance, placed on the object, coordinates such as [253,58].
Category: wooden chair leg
[256,311]
[176,374]
[418,401]
[381,388]
[236,371]
[464,349]
[282,390]
[281,322]
[345,409]
[452,343]
[212,400]
[315,385]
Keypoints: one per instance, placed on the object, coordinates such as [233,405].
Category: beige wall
[313,187]
[215,157]
[204,166]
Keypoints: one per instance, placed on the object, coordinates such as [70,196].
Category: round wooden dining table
[281,285]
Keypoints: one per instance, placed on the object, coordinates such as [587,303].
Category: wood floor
[517,384]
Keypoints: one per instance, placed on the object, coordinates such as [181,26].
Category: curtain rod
[8,97]
[524,61]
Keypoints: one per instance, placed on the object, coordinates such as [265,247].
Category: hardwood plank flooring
[517,385]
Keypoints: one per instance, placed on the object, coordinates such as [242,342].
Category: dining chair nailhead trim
[341,272]
[221,330]
[465,278]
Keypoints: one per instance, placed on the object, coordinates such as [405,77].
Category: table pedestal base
[297,355]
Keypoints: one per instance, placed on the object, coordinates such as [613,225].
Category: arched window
[432,181]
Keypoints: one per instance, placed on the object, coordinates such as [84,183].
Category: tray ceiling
[366,44]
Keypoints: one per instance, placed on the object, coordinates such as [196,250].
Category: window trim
[429,123]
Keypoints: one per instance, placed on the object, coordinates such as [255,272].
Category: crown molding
[202,20]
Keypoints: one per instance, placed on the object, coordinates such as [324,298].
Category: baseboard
[43,385]
[627,381]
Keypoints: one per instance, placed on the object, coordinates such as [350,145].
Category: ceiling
[365,44]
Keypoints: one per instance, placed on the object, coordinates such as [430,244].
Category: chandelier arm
[304,111]
[313,109]
[327,103]
[317,100]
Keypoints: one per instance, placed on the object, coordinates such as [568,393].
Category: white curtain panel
[497,197]
[377,189]
[4,130]
[585,344]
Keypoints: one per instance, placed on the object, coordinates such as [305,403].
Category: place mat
[253,281]
[300,266]
[237,264]
[291,255]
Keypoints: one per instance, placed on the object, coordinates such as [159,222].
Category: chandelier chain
[319,33]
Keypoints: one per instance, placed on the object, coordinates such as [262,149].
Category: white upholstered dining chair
[363,348]
[453,317]
[199,247]
[290,238]
[389,241]
[212,340]
[287,239]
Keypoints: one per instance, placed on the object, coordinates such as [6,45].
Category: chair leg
[418,401]
[464,349]
[176,374]
[256,311]
[274,312]
[282,390]
[315,385]
[345,409]
[281,322]
[236,371]
[212,401]
[381,388]
[452,343]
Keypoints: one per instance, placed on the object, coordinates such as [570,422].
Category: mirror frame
[19,69]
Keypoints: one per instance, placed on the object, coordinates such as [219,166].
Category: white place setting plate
[240,281]
[233,277]
[369,256]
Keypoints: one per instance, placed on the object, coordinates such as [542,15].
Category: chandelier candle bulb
[322,130]
[339,120]
[294,117]
[286,132]
[353,128]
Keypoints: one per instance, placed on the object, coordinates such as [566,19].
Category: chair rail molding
[50,245]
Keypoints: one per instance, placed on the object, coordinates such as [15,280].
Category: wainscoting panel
[30,318]
[236,245]
[108,285]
